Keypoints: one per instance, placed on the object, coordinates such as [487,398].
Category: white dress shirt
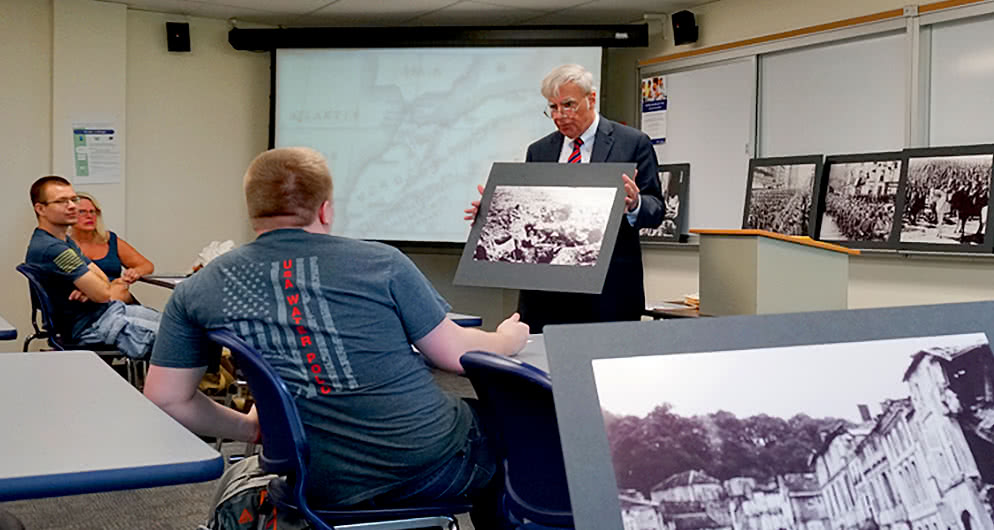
[587,149]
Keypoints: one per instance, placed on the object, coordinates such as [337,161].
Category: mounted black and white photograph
[674,181]
[888,434]
[780,193]
[545,226]
[859,195]
[945,199]
[557,225]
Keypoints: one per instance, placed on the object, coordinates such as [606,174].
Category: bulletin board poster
[654,105]
[96,153]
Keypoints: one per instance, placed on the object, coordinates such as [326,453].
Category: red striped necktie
[574,157]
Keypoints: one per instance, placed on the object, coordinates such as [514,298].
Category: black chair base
[280,492]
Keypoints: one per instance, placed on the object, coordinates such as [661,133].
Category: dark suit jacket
[623,297]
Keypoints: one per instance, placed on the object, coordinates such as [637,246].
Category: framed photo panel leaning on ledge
[780,194]
[739,422]
[674,181]
[944,199]
[857,199]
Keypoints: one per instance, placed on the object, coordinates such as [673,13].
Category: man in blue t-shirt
[87,306]
[336,318]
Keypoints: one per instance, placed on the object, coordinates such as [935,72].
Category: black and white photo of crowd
[780,198]
[556,225]
[879,435]
[673,182]
[860,201]
[946,200]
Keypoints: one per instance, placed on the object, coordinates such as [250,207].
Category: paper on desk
[668,305]
[211,251]
[692,299]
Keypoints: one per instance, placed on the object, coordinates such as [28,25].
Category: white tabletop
[70,425]
[534,352]
[7,331]
[466,321]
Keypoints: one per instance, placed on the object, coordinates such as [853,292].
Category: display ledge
[924,255]
[692,243]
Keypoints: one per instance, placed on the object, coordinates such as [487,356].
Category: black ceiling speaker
[684,27]
[178,36]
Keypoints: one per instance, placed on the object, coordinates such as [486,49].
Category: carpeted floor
[181,507]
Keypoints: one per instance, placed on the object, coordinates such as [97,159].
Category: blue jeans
[130,328]
[469,473]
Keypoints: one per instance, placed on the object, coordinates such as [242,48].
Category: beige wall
[195,121]
[25,140]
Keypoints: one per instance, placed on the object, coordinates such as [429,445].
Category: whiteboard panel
[839,98]
[961,109]
[709,124]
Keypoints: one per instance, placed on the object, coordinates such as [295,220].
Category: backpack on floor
[241,502]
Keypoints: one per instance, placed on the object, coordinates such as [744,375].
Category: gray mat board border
[571,348]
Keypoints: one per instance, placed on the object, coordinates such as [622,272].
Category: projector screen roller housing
[409,133]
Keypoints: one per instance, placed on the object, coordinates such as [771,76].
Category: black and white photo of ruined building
[895,435]
[860,200]
[779,198]
[945,201]
[556,225]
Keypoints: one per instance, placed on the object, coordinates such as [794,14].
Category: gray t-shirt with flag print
[336,318]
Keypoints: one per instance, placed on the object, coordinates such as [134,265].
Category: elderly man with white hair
[584,136]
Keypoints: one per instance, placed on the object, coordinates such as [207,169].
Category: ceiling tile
[418,12]
[476,14]
[372,12]
[180,7]
[292,7]
[545,5]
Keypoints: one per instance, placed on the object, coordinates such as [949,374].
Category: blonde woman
[112,254]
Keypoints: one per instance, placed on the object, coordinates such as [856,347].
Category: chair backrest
[284,443]
[518,397]
[40,303]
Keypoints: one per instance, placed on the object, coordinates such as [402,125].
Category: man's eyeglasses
[62,202]
[566,108]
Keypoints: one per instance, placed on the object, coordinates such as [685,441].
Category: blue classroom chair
[41,306]
[517,398]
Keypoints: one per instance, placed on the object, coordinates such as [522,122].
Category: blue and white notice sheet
[96,153]
[654,108]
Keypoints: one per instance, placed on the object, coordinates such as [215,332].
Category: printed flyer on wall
[654,108]
[96,153]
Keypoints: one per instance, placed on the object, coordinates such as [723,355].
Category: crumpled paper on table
[211,251]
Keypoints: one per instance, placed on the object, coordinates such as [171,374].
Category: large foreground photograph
[891,434]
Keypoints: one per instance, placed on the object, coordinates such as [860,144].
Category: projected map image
[410,133]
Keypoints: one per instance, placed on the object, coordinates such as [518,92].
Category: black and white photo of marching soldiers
[860,200]
[946,199]
[555,225]
[673,180]
[877,435]
[780,198]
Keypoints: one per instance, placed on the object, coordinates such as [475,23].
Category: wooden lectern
[748,272]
